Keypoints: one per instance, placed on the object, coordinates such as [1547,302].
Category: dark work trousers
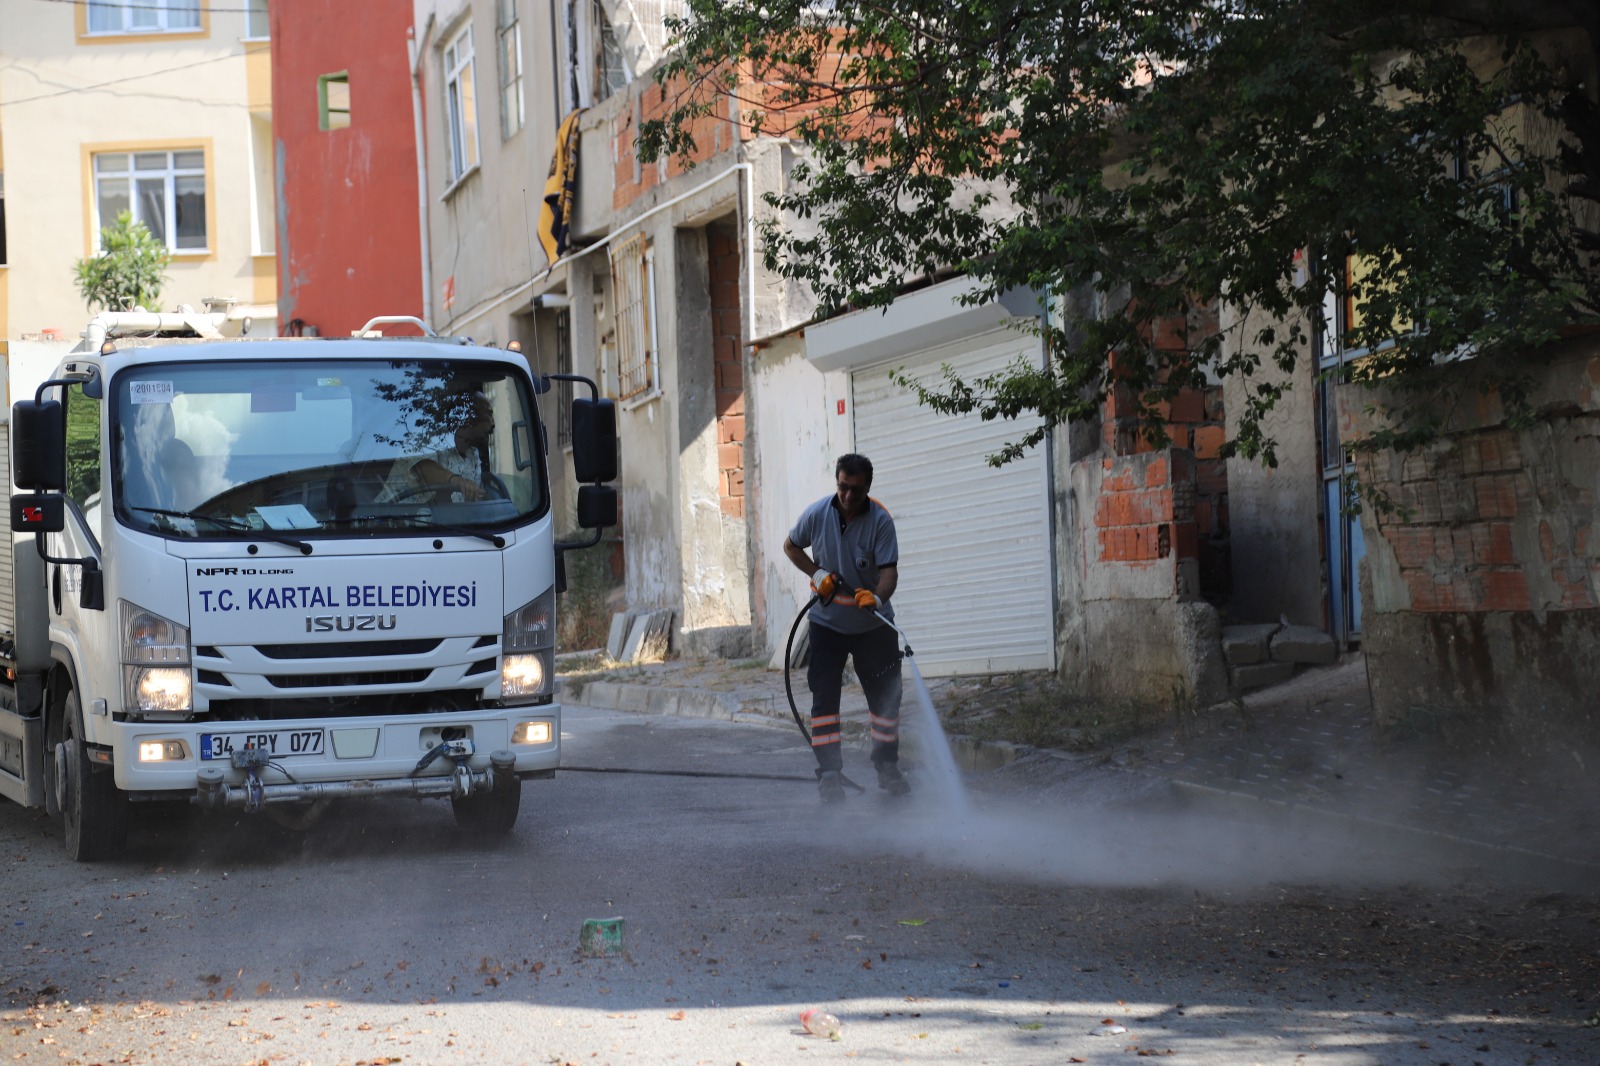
[876,657]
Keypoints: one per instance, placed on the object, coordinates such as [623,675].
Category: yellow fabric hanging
[560,189]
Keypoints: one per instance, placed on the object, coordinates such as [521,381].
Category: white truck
[270,574]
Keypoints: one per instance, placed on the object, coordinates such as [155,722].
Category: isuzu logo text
[349,623]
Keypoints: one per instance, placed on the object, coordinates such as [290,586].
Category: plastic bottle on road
[819,1022]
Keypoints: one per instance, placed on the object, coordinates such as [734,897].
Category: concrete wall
[1275,513]
[67,95]
[1142,633]
[798,437]
[1482,587]
[350,244]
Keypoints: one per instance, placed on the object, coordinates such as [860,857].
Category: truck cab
[265,575]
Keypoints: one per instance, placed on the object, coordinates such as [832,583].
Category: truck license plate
[277,743]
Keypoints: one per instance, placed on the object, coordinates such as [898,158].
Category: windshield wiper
[232,524]
[420,522]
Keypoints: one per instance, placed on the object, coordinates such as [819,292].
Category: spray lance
[788,661]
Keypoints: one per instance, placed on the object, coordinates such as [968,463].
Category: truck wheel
[491,813]
[94,811]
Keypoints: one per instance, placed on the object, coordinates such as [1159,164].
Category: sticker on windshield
[150,391]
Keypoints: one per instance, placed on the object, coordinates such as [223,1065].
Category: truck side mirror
[597,506]
[39,444]
[594,441]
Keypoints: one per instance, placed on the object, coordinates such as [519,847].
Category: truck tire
[94,810]
[491,813]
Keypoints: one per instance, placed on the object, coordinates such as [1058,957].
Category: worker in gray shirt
[853,564]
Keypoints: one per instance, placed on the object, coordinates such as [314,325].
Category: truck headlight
[162,751]
[535,732]
[155,664]
[527,650]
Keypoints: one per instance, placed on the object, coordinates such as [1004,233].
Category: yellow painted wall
[258,75]
[68,95]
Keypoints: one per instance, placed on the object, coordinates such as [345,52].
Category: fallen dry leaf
[676,1016]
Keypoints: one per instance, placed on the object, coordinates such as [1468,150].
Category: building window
[613,66]
[333,101]
[143,16]
[633,281]
[164,190]
[461,109]
[511,113]
[256,26]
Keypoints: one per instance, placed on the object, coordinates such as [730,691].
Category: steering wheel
[495,489]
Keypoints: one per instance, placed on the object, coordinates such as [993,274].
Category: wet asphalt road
[1064,917]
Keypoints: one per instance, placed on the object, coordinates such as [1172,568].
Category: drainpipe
[422,172]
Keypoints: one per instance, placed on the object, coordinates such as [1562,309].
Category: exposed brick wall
[632,178]
[728,365]
[1145,512]
[1454,528]
[723,129]
[1481,587]
[1195,510]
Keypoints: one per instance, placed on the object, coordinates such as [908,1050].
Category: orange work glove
[824,585]
[866,600]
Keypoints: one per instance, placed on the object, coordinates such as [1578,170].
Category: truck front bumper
[214,792]
[358,756]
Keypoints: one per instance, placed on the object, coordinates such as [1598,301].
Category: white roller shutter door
[976,591]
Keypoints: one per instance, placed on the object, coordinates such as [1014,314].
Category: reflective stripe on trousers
[875,655]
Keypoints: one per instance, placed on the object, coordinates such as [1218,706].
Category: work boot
[891,780]
[830,786]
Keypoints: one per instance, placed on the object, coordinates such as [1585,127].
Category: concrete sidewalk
[1307,746]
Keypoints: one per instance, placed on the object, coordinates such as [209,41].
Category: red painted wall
[349,244]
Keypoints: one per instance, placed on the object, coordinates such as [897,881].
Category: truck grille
[347,648]
[386,677]
[248,680]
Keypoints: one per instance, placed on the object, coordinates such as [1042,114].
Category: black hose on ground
[788,687]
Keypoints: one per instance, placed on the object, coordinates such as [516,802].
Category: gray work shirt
[855,551]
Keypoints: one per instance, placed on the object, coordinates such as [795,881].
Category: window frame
[458,59]
[254,31]
[159,11]
[326,111]
[508,55]
[637,339]
[169,177]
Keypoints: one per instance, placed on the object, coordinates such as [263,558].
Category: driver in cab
[458,471]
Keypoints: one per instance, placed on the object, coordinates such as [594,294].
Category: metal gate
[977,584]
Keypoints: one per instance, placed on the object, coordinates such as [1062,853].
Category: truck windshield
[280,448]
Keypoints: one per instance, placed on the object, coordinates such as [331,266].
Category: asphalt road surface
[1058,917]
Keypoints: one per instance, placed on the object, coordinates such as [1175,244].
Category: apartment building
[158,107]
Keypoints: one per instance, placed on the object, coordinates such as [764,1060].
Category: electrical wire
[231,56]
